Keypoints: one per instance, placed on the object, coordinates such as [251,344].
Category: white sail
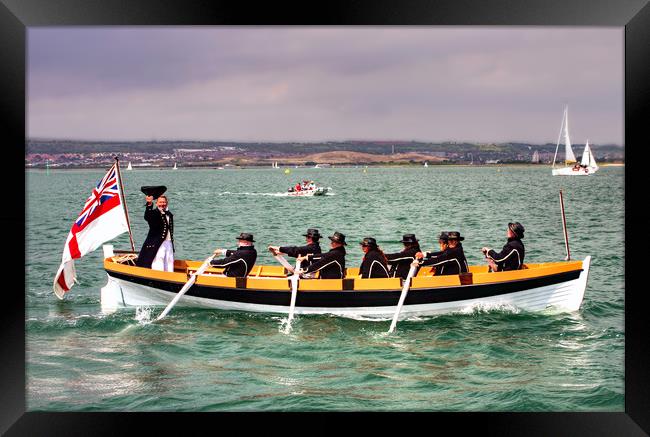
[569,157]
[175,167]
[588,159]
[129,166]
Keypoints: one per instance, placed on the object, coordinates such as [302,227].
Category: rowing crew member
[400,261]
[511,256]
[374,263]
[238,262]
[331,265]
[450,260]
[312,236]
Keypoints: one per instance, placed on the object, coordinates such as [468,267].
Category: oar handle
[187,286]
[402,297]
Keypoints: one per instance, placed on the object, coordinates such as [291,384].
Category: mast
[569,157]
[557,146]
[126,210]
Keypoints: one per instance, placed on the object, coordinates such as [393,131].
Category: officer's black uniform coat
[373,265]
[331,265]
[400,262]
[238,262]
[511,256]
[447,262]
[158,229]
[296,251]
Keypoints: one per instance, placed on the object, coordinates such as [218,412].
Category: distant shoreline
[290,167]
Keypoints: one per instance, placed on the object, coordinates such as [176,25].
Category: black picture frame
[17,15]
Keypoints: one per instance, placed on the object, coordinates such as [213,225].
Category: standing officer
[400,261]
[511,256]
[158,248]
[238,262]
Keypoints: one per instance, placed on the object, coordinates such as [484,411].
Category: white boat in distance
[175,167]
[129,166]
[587,165]
[317,191]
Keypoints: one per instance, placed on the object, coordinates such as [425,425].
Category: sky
[306,84]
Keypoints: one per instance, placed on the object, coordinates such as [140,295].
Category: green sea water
[81,359]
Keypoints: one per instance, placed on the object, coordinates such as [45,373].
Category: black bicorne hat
[517,228]
[337,237]
[454,235]
[153,190]
[444,236]
[246,236]
[409,238]
[369,242]
[313,234]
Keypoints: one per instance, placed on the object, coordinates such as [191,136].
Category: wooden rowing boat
[556,286]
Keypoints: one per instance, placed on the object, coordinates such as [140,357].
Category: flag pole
[566,236]
[126,209]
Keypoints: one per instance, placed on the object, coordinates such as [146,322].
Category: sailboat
[175,167]
[426,164]
[275,164]
[129,166]
[535,159]
[587,165]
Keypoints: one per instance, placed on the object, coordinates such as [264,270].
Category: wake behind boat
[557,286]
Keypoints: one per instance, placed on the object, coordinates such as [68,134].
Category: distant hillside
[53,146]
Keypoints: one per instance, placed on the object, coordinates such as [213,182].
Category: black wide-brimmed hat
[369,242]
[517,228]
[337,237]
[246,236]
[409,238]
[313,234]
[444,236]
[153,190]
[454,235]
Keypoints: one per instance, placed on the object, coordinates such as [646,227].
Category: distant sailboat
[175,167]
[587,165]
[129,166]
[275,164]
[426,164]
[535,159]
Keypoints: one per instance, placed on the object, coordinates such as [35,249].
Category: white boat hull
[569,171]
[560,297]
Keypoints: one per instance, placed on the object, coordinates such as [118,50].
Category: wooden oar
[402,297]
[187,286]
[294,292]
[284,263]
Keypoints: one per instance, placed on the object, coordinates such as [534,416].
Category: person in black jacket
[238,262]
[158,248]
[312,247]
[374,263]
[511,256]
[399,262]
[331,265]
[449,260]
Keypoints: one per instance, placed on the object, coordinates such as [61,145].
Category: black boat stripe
[351,298]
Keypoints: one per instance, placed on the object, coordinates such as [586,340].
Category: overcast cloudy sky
[432,83]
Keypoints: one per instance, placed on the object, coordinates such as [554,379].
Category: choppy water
[79,359]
